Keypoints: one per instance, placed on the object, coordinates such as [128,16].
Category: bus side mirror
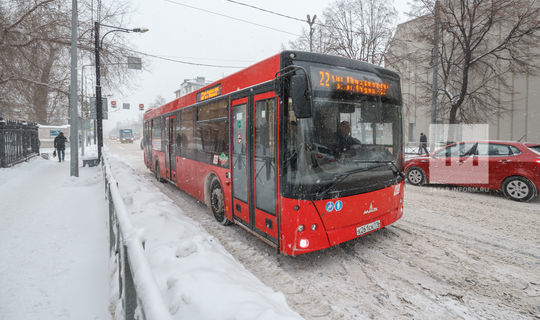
[299,95]
[277,86]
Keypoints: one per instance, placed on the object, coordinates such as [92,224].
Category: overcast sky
[178,31]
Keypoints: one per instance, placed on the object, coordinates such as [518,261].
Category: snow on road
[453,255]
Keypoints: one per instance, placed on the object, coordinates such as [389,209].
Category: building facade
[514,107]
[190,85]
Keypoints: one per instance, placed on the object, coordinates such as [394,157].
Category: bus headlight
[300,228]
[304,243]
[313,227]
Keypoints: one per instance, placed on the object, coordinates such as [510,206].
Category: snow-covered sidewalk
[53,243]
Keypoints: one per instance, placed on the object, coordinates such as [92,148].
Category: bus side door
[264,164]
[240,162]
[254,162]
[171,149]
[170,155]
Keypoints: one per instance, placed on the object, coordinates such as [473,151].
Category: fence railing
[414,147]
[137,292]
[19,141]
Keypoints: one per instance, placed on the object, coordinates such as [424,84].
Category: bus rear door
[170,148]
[253,159]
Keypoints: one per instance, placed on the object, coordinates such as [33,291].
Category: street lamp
[99,108]
[83,112]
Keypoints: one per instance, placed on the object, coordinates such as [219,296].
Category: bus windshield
[348,146]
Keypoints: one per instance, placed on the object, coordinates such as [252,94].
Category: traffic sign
[104,108]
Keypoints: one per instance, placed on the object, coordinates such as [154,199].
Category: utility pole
[74,114]
[434,85]
[99,107]
[311,22]
[99,100]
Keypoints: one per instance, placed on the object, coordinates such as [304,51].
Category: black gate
[18,141]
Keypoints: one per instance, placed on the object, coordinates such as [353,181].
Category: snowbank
[198,278]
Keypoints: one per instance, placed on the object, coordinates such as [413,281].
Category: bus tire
[217,203]
[158,174]
[518,189]
[416,176]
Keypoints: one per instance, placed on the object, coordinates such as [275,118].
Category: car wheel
[416,176]
[217,203]
[518,189]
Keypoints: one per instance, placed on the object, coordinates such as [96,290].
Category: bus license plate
[368,227]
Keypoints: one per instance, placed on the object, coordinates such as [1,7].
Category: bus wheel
[416,176]
[217,204]
[518,189]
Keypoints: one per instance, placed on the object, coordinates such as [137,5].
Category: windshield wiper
[390,163]
[342,176]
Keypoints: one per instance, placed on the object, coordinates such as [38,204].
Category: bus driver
[345,139]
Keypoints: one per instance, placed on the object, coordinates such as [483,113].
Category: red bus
[303,150]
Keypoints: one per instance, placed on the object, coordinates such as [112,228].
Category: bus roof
[264,71]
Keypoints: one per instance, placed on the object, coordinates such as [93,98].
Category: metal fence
[135,288]
[413,148]
[19,141]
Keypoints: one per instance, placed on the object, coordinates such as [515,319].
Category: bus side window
[212,127]
[187,125]
[178,134]
[156,133]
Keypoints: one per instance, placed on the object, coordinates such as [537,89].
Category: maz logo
[371,209]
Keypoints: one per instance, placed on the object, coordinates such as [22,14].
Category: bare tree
[34,55]
[158,102]
[320,41]
[357,29]
[481,41]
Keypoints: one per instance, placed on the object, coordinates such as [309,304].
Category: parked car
[511,167]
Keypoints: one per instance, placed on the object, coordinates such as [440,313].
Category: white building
[190,85]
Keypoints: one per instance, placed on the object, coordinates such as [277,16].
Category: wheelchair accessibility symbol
[331,206]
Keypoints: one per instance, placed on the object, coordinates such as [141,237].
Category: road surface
[455,254]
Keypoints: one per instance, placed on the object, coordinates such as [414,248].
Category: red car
[512,167]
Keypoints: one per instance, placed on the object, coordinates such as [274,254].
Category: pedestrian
[60,146]
[423,143]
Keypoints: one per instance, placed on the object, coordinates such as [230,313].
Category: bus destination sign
[209,93]
[347,81]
